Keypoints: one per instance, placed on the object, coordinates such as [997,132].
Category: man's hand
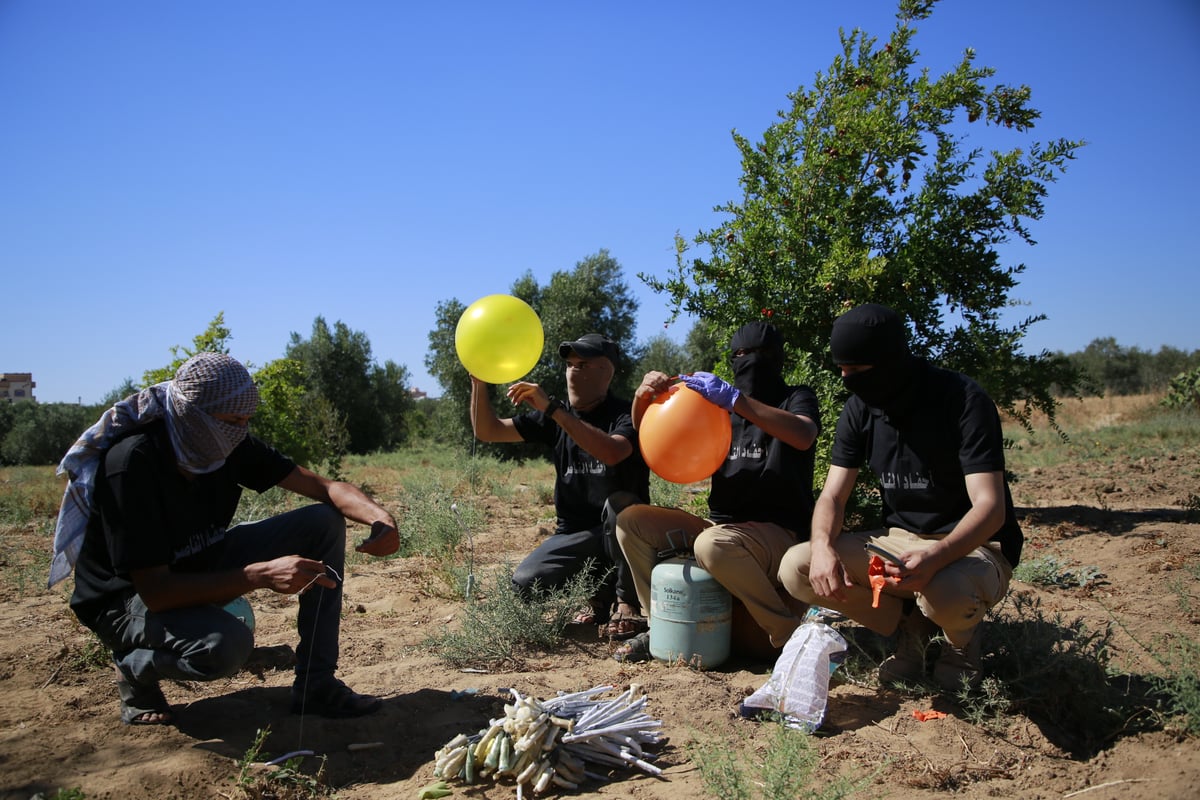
[712,389]
[827,575]
[529,393]
[290,574]
[383,541]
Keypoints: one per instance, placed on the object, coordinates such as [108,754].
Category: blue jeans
[203,643]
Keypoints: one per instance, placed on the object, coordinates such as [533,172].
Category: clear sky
[362,160]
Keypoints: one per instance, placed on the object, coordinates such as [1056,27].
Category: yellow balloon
[499,338]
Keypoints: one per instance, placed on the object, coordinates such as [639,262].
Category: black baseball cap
[591,345]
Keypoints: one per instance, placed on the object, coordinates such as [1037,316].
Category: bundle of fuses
[555,743]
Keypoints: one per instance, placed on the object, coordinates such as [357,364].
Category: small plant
[500,626]
[61,794]
[92,655]
[1050,571]
[285,782]
[783,769]
[1184,391]
[1057,672]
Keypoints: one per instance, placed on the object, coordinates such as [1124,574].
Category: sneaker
[957,667]
[908,664]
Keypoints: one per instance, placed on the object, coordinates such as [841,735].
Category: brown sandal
[624,626]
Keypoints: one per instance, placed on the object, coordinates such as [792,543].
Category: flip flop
[139,701]
[623,626]
[634,650]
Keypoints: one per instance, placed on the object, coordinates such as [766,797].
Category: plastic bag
[798,688]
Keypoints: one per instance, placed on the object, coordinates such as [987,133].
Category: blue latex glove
[712,389]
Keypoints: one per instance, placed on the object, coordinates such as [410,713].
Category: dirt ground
[59,726]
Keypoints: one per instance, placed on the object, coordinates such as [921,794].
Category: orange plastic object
[877,577]
[925,716]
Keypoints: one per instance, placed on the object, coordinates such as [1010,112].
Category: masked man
[145,523]
[761,497]
[932,438]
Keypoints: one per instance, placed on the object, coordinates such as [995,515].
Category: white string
[308,666]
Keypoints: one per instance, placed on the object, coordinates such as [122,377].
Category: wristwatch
[553,404]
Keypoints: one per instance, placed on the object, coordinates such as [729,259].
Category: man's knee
[225,652]
[793,572]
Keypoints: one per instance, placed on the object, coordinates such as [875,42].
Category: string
[308,666]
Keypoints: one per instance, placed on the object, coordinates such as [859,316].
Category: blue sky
[279,160]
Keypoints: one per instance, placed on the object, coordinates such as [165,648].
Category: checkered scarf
[207,384]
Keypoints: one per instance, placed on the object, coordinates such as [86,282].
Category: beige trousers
[957,599]
[743,557]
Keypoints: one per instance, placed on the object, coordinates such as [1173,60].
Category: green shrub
[1184,391]
[499,627]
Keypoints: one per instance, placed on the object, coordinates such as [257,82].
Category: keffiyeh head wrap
[208,383]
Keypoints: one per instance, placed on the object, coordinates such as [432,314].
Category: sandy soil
[59,726]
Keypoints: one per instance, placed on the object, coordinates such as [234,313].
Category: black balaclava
[874,335]
[759,373]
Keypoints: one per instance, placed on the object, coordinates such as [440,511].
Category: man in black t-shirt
[598,471]
[932,437]
[154,486]
[761,497]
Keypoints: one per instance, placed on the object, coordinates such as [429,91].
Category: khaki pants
[743,557]
[957,599]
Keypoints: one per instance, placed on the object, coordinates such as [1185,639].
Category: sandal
[142,704]
[334,700]
[634,650]
[590,616]
[623,626]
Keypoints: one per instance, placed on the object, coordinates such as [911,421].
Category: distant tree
[372,400]
[215,339]
[705,350]
[41,433]
[866,190]
[1110,368]
[120,392]
[665,355]
[591,298]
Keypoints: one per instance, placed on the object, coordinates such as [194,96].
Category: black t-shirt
[765,480]
[582,481]
[951,430]
[147,514]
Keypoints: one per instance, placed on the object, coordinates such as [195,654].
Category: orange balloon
[683,437]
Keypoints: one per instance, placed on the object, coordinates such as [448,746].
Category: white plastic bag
[799,684]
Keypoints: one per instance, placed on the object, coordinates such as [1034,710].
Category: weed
[1057,672]
[92,655]
[783,769]
[28,493]
[1050,571]
[499,626]
[285,782]
[61,794]
[1177,686]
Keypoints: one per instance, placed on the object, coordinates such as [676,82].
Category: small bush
[1057,672]
[783,769]
[284,782]
[499,627]
[1184,391]
[1050,571]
